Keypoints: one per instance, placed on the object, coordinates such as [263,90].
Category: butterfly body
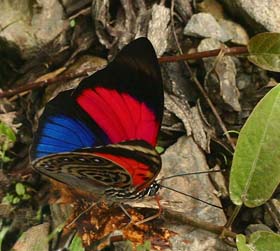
[101,136]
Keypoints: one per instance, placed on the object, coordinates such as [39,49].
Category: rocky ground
[42,43]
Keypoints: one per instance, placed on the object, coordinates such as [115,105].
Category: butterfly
[101,136]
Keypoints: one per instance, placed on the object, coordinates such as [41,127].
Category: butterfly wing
[126,98]
[109,170]
[122,102]
[65,127]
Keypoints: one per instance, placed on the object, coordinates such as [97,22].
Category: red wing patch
[140,173]
[120,116]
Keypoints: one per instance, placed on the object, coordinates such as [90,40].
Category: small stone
[261,15]
[237,33]
[35,238]
[159,28]
[224,76]
[213,7]
[205,25]
[257,227]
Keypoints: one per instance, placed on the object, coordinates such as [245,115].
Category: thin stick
[182,218]
[197,55]
[197,83]
[272,214]
[204,54]
[233,216]
[38,84]
[82,213]
[227,51]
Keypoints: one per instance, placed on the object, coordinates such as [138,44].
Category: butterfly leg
[125,212]
[160,209]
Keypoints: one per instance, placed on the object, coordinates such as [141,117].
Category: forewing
[65,127]
[126,98]
[122,102]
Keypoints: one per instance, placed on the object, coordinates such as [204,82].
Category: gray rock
[222,73]
[275,204]
[261,15]
[219,182]
[205,25]
[189,239]
[256,227]
[272,213]
[35,238]
[237,33]
[29,27]
[243,80]
[184,9]
[185,156]
[192,120]
[158,30]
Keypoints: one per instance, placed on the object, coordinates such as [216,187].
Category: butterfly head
[132,194]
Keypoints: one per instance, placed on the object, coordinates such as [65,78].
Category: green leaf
[128,246]
[8,132]
[264,241]
[76,244]
[72,23]
[16,200]
[5,159]
[56,231]
[159,149]
[259,241]
[8,199]
[26,196]
[255,171]
[264,51]
[39,213]
[20,189]
[146,246]
[3,232]
[241,243]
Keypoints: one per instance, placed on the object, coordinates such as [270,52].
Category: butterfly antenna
[188,195]
[187,174]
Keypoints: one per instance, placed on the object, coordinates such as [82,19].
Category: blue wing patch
[63,134]
[65,127]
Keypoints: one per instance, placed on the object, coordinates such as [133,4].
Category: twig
[182,218]
[197,83]
[204,54]
[198,55]
[37,84]
[233,216]
[83,12]
[272,214]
